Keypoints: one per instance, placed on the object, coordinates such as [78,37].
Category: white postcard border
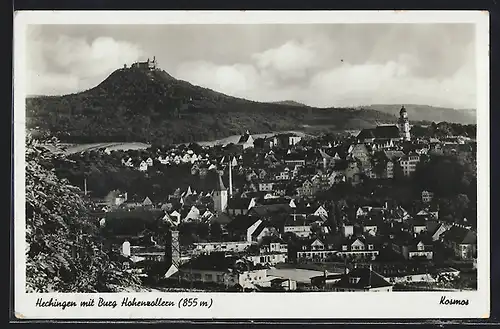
[260,305]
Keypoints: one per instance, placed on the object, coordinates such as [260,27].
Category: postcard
[251,165]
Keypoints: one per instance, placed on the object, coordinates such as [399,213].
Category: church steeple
[404,124]
[219,195]
[220,184]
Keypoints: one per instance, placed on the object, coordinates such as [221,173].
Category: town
[381,210]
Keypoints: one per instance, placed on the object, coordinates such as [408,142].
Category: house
[418,247]
[128,162]
[427,196]
[258,230]
[245,141]
[272,250]
[302,210]
[262,174]
[207,216]
[409,163]
[147,202]
[436,229]
[384,163]
[361,153]
[320,211]
[336,176]
[300,228]
[318,250]
[266,186]
[175,214]
[273,245]
[287,140]
[380,144]
[293,159]
[268,258]
[363,211]
[219,269]
[359,247]
[362,280]
[284,174]
[320,182]
[426,214]
[398,214]
[347,229]
[143,166]
[228,247]
[121,198]
[240,206]
[306,190]
[417,226]
[463,241]
[193,214]
[370,227]
[326,280]
[149,162]
[271,207]
[352,172]
[419,275]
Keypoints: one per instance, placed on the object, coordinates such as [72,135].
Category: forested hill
[429,113]
[154,107]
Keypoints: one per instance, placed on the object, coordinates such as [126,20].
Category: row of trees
[444,129]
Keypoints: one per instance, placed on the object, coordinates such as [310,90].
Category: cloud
[345,85]
[66,64]
[318,64]
[236,80]
[291,60]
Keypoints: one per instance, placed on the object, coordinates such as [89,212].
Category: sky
[316,64]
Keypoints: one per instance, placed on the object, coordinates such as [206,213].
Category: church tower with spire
[404,125]
[220,195]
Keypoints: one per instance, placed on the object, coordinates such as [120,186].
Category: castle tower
[220,195]
[404,124]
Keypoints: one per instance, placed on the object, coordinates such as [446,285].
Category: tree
[63,243]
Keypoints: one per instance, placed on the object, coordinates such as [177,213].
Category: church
[388,132]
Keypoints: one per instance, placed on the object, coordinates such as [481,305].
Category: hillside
[154,107]
[429,113]
[291,103]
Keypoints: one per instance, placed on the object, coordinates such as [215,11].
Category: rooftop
[365,279]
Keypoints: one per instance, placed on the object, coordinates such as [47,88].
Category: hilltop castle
[147,65]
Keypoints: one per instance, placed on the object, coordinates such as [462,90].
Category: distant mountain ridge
[428,113]
[151,106]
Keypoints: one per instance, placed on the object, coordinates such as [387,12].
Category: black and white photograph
[215,164]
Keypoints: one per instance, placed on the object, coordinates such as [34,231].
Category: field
[76,148]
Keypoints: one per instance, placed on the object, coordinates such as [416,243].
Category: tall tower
[220,195]
[172,252]
[230,178]
[404,124]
